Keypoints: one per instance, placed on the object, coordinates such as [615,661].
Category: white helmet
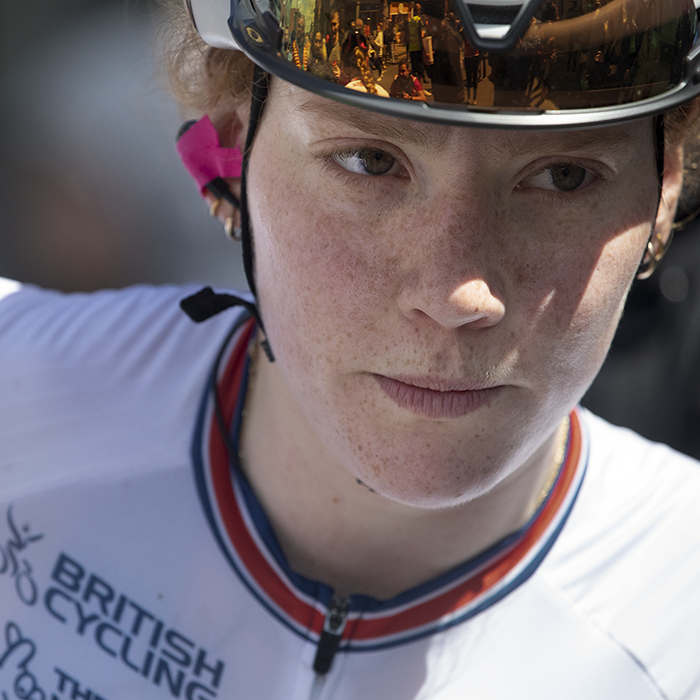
[545,63]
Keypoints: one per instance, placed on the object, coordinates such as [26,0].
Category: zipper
[332,633]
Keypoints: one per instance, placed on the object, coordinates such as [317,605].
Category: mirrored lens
[574,54]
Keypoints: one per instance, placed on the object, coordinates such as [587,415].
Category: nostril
[470,303]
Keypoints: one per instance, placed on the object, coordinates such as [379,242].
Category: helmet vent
[494,19]
[498,15]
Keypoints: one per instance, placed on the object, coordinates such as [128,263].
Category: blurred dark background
[92,195]
[651,378]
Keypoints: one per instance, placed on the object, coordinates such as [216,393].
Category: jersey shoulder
[628,559]
[92,380]
[39,325]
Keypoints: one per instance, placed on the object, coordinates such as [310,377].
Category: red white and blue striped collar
[245,536]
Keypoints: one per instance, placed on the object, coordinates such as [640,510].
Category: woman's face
[439,298]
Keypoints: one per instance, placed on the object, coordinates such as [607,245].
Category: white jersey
[137,564]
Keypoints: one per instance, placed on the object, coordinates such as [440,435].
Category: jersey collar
[243,532]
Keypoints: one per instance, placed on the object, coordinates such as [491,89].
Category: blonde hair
[200,77]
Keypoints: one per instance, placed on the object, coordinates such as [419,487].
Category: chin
[429,496]
[428,483]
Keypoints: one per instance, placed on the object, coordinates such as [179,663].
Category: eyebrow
[423,135]
[612,140]
[428,135]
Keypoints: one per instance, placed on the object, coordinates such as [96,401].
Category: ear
[229,216]
[670,194]
[230,126]
[663,226]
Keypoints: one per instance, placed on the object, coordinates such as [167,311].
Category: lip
[437,398]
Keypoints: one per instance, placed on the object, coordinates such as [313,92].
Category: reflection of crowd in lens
[557,63]
[406,86]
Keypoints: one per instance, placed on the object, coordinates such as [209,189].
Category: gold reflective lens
[574,55]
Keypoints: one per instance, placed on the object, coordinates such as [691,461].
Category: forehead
[316,114]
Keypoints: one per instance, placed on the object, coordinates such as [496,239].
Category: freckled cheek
[314,286]
[579,324]
[589,258]
[572,282]
[604,297]
[608,283]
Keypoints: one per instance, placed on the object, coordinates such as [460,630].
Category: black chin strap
[260,89]
[206,303]
[660,135]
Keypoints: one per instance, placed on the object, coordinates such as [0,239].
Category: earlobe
[229,215]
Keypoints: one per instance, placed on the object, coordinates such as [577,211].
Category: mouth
[433,398]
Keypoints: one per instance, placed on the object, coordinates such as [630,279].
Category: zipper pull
[332,633]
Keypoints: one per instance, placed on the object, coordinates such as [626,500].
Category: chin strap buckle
[206,303]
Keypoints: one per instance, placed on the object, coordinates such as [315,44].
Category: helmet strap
[259,93]
[261,83]
[660,136]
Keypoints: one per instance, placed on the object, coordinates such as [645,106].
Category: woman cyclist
[368,478]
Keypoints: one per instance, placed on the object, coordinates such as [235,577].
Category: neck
[335,530]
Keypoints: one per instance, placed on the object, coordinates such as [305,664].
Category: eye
[567,177]
[366,161]
[560,177]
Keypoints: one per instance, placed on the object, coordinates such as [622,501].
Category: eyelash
[331,163]
[597,173]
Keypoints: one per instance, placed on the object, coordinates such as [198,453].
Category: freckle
[336,500]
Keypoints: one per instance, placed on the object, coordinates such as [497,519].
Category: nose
[472,302]
[453,277]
